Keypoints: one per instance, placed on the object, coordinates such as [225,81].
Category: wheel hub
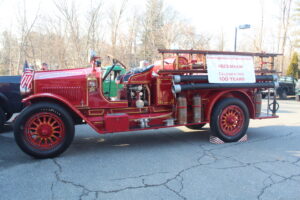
[45,130]
[230,120]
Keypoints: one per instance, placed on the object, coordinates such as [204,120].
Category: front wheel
[230,119]
[44,130]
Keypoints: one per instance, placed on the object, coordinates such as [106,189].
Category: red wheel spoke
[32,133]
[48,120]
[32,130]
[54,136]
[44,130]
[56,132]
[49,141]
[231,120]
[53,140]
[36,124]
[55,127]
[40,141]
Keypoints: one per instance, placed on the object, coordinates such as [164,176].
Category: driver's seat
[138,77]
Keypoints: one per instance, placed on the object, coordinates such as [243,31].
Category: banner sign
[230,69]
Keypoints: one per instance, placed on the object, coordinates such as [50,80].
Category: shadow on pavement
[164,139]
[6,128]
[129,142]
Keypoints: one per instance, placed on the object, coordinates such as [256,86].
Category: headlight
[92,83]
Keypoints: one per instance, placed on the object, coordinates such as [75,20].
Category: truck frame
[174,91]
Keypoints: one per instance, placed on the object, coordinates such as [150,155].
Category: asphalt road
[172,163]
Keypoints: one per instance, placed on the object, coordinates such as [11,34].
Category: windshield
[286,79]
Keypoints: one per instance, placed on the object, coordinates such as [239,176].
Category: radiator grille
[71,92]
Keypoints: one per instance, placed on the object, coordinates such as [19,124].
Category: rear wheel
[230,119]
[196,126]
[2,119]
[44,130]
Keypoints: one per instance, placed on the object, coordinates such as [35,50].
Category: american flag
[26,78]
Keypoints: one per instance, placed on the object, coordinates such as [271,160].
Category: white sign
[230,69]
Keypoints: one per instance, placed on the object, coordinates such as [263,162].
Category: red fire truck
[185,88]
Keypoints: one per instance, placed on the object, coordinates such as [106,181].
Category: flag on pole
[27,76]
[25,66]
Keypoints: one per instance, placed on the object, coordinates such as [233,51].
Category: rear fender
[243,96]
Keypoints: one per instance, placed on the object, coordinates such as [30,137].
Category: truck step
[266,116]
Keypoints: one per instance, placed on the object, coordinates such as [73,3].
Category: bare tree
[26,28]
[152,25]
[221,41]
[172,29]
[129,40]
[115,16]
[296,20]
[190,39]
[285,13]
[53,48]
[262,21]
[63,38]
[8,53]
[93,23]
[70,15]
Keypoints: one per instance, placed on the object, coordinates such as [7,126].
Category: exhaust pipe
[186,78]
[199,86]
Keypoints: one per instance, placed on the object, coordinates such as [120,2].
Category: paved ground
[173,163]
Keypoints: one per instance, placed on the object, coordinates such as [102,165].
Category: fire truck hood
[42,75]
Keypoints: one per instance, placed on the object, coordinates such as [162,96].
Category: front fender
[56,98]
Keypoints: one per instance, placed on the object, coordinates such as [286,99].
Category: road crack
[137,177]
[201,161]
[270,174]
[85,191]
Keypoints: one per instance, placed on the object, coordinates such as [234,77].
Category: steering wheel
[115,62]
[124,66]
